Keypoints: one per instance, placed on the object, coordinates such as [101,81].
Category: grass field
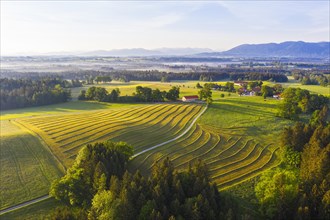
[237,138]
[142,126]
[312,88]
[56,109]
[26,169]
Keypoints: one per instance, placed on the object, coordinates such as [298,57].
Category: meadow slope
[27,167]
[142,127]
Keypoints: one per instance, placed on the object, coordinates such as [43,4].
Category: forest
[19,93]
[300,188]
[210,74]
[99,186]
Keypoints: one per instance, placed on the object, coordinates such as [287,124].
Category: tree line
[99,186]
[209,74]
[142,94]
[311,77]
[297,100]
[19,93]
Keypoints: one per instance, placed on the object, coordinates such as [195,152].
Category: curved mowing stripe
[176,138]
[233,160]
[241,168]
[139,130]
[203,154]
[170,146]
[251,173]
[72,126]
[233,154]
[169,128]
[192,138]
[202,132]
[74,149]
[205,141]
[217,156]
[105,124]
[68,119]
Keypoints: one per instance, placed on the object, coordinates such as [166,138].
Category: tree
[86,176]
[319,117]
[206,94]
[82,95]
[266,91]
[230,87]
[104,206]
[157,95]
[100,94]
[164,79]
[173,93]
[277,191]
[144,93]
[198,86]
[90,93]
[113,96]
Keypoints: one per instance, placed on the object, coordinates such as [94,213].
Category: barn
[192,98]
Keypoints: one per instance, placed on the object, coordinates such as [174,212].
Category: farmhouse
[192,98]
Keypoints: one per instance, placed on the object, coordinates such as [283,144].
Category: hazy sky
[36,26]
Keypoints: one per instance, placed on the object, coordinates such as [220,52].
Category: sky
[55,26]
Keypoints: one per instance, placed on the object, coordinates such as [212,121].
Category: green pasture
[312,88]
[26,167]
[59,109]
[250,116]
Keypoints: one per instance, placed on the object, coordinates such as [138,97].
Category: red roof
[191,97]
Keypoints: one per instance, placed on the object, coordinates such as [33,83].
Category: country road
[33,201]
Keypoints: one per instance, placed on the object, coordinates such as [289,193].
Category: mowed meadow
[142,127]
[235,137]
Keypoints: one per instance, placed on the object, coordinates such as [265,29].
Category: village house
[192,98]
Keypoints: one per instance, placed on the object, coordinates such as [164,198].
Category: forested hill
[298,49]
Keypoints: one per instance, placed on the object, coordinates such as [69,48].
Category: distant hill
[122,52]
[286,49]
[145,52]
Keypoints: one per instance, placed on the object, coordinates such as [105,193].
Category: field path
[30,202]
[33,201]
[174,139]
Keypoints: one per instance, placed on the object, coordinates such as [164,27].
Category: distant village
[242,88]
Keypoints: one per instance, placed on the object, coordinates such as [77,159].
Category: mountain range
[137,52]
[297,49]
[290,49]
